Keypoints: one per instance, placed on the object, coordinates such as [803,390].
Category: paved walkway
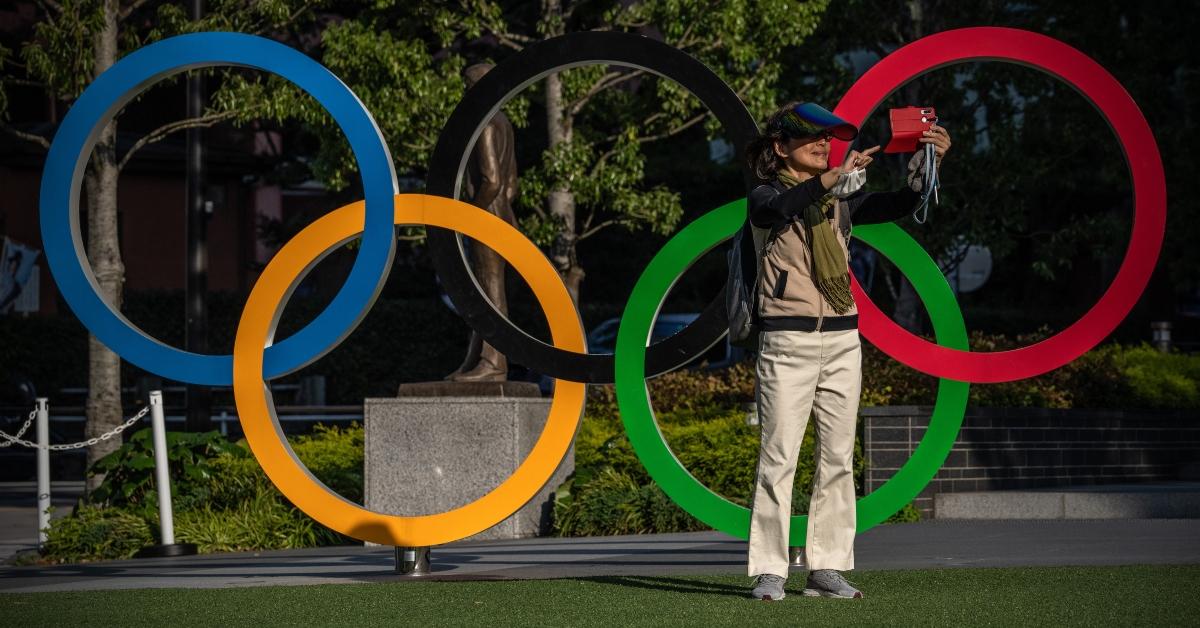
[18,512]
[926,545]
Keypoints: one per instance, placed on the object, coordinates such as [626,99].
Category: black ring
[453,149]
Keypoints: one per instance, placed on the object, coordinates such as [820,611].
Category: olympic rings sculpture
[257,359]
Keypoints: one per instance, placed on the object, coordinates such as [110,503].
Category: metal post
[1161,332]
[162,476]
[43,469]
[412,561]
[162,482]
[199,398]
[796,556]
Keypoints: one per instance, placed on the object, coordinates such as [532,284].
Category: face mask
[849,182]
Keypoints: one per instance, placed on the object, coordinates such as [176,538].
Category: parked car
[603,339]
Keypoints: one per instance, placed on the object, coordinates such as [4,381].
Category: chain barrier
[9,440]
[17,440]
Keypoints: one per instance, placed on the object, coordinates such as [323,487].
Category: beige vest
[786,287]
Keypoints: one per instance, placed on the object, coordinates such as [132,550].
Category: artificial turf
[1057,596]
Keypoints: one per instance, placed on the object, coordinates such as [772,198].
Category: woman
[809,358]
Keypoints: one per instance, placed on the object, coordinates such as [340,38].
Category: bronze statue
[491,183]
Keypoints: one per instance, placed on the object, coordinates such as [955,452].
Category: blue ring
[72,147]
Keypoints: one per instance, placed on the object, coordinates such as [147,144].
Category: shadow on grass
[672,585]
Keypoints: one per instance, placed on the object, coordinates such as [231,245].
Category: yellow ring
[256,408]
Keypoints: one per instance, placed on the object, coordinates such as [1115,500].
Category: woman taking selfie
[809,358]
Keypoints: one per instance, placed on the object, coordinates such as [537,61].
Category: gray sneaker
[829,583]
[768,587]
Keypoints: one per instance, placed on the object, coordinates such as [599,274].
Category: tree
[71,43]
[404,60]
[1035,174]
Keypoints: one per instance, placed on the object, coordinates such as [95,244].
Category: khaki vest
[786,287]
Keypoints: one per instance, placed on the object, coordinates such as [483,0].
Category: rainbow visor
[809,119]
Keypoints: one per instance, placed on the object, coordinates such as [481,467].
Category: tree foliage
[405,62]
[1035,174]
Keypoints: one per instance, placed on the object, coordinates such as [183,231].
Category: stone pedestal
[430,454]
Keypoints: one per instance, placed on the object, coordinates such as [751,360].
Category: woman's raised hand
[939,137]
[854,160]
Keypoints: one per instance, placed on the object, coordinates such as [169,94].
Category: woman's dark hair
[760,152]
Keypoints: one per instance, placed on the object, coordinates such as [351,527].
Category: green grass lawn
[1100,596]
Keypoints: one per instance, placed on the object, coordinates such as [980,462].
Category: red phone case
[907,125]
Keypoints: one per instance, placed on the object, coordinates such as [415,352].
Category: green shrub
[262,522]
[1108,376]
[907,514]
[129,471]
[233,480]
[613,503]
[701,416]
[242,509]
[222,499]
[409,336]
[723,454]
[1161,380]
[601,443]
[1117,376]
[95,532]
[611,493]
[888,382]
[335,456]
[687,395]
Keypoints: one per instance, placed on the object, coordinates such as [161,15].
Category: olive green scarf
[831,273]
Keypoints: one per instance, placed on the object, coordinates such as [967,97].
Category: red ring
[1141,153]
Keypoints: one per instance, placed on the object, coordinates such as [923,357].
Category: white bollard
[43,469]
[162,476]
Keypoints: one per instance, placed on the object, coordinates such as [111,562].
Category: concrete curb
[1179,500]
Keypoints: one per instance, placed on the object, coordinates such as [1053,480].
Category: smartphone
[908,123]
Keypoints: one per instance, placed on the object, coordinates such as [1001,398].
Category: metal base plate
[174,549]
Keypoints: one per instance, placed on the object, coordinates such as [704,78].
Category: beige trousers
[801,373]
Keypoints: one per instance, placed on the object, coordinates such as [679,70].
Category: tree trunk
[100,184]
[562,200]
[561,203]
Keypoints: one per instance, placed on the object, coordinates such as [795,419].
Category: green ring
[633,396]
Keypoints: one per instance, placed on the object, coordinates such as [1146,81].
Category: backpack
[741,285]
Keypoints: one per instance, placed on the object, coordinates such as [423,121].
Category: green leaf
[140,462]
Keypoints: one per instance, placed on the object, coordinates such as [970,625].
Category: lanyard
[929,186]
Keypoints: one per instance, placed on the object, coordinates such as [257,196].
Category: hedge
[224,501]
[419,339]
[702,415]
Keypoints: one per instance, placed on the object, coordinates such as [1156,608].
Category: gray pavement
[925,545]
[18,512]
